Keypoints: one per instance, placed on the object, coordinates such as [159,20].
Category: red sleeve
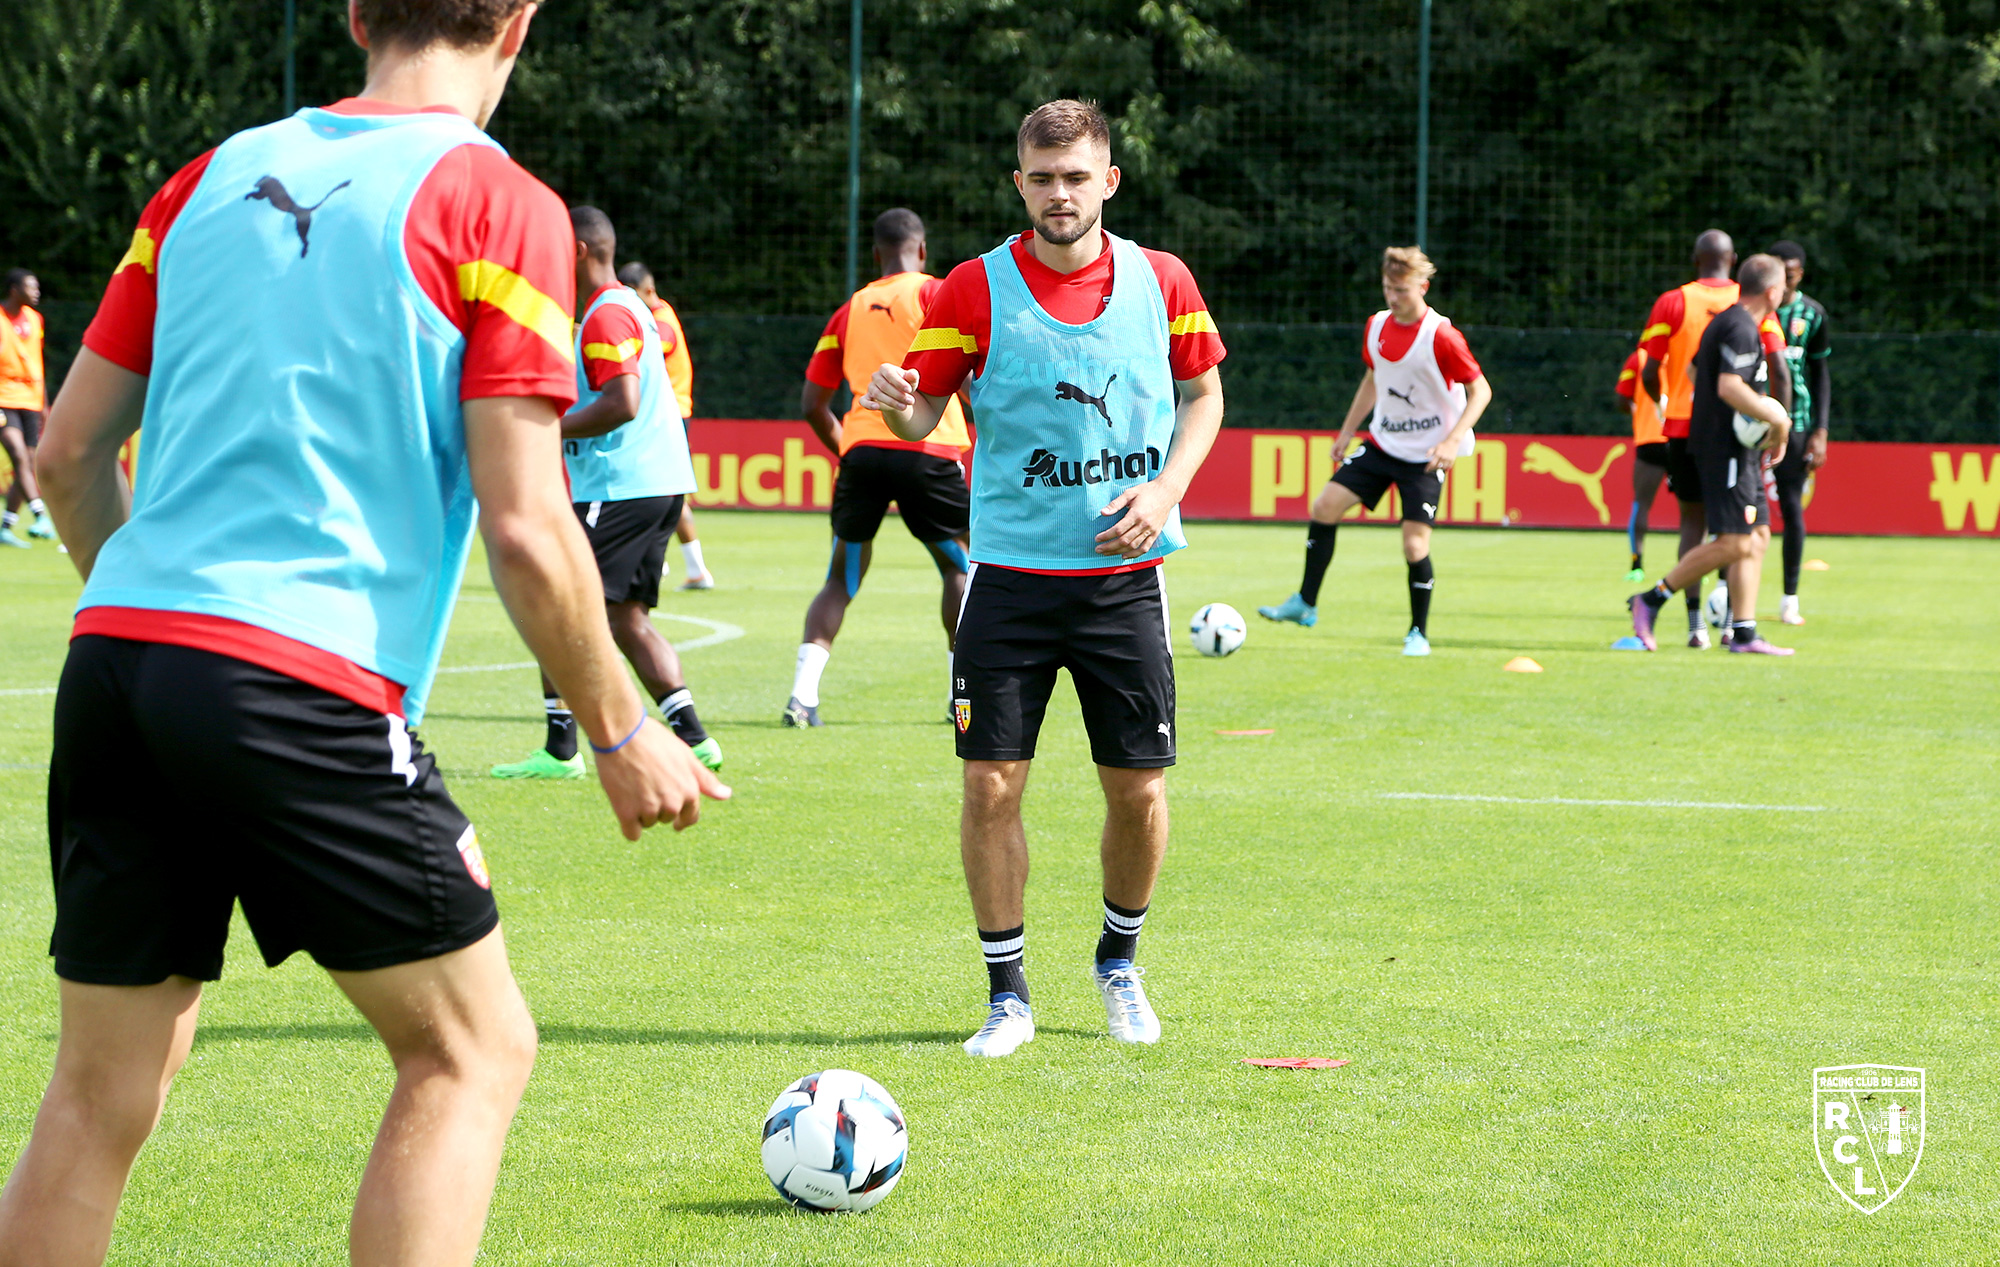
[1454,358]
[828,366]
[1194,345]
[122,330]
[928,292]
[1367,357]
[668,339]
[1628,377]
[612,344]
[1668,310]
[1773,336]
[958,326]
[493,248]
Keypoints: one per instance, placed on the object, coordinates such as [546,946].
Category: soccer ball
[834,1142]
[1217,629]
[1751,433]
[1716,610]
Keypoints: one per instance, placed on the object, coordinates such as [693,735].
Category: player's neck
[900,265]
[435,76]
[12,307]
[1416,314]
[596,277]
[1068,259]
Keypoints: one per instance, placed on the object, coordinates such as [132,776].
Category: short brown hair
[1056,125]
[419,24]
[1399,262]
[1759,273]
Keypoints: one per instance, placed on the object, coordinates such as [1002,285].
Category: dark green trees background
[1578,146]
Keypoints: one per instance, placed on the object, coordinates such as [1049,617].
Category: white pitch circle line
[718,631]
[1570,800]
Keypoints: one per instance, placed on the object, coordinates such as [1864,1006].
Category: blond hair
[1407,262]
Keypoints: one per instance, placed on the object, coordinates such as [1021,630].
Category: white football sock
[805,682]
[691,556]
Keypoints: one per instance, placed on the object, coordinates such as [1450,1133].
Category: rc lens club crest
[1868,1129]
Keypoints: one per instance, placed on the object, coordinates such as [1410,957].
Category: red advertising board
[1525,481]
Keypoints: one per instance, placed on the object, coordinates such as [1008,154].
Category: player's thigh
[1683,475]
[1421,492]
[1120,655]
[1365,475]
[1012,632]
[142,859]
[463,1002]
[859,496]
[347,844]
[629,540]
[1649,471]
[30,423]
[934,501]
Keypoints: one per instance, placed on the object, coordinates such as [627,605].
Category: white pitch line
[1571,800]
[29,690]
[719,631]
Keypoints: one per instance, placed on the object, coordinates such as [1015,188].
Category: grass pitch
[1579,1033]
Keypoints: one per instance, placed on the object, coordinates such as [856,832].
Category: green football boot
[709,753]
[541,766]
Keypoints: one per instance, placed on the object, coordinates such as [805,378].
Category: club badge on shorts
[474,859]
[1749,514]
[1868,1129]
[961,712]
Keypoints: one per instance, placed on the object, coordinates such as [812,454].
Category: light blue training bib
[646,457]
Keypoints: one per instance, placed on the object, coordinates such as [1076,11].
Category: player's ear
[355,30]
[515,35]
[1019,187]
[1112,177]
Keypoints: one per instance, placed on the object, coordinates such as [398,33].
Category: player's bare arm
[1478,395]
[910,413]
[84,486]
[816,407]
[545,574]
[1358,412]
[617,405]
[1196,422]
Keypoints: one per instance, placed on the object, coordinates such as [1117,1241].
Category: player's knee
[990,788]
[1326,507]
[115,1105]
[1135,794]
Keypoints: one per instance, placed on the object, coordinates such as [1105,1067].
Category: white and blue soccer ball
[835,1142]
[1217,629]
[1716,610]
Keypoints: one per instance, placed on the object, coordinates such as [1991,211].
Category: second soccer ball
[1716,609]
[1217,629]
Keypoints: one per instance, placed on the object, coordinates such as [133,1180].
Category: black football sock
[1120,939]
[1421,583]
[1638,561]
[1319,553]
[1742,631]
[1657,596]
[561,743]
[678,709]
[1004,973]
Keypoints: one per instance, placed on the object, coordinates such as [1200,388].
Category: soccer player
[923,477]
[339,328]
[680,372]
[1077,344]
[1423,393]
[1807,347]
[1673,332]
[1731,376]
[22,400]
[1649,458]
[629,477]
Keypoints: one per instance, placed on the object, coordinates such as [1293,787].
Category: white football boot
[1008,1026]
[1125,1008]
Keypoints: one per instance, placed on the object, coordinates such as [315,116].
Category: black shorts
[630,540]
[929,490]
[1368,472]
[1732,487]
[184,781]
[1654,454]
[28,420]
[1016,629]
[1683,477]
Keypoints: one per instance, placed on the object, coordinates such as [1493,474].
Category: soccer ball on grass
[834,1142]
[1716,609]
[1217,629]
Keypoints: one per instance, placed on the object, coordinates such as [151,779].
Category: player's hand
[655,778]
[893,389]
[1146,508]
[1815,450]
[1441,455]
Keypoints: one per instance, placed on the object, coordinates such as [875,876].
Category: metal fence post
[1423,120]
[854,146]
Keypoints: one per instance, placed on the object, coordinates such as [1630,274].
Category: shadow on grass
[559,1034]
[771,1208]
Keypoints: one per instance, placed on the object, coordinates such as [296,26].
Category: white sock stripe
[1122,923]
[1002,949]
[676,702]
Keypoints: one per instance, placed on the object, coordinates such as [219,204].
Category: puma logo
[1540,459]
[882,308]
[272,190]
[1070,391]
[1400,396]
[1041,466]
[1168,731]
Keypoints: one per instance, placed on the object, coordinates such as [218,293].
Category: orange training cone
[1521,664]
